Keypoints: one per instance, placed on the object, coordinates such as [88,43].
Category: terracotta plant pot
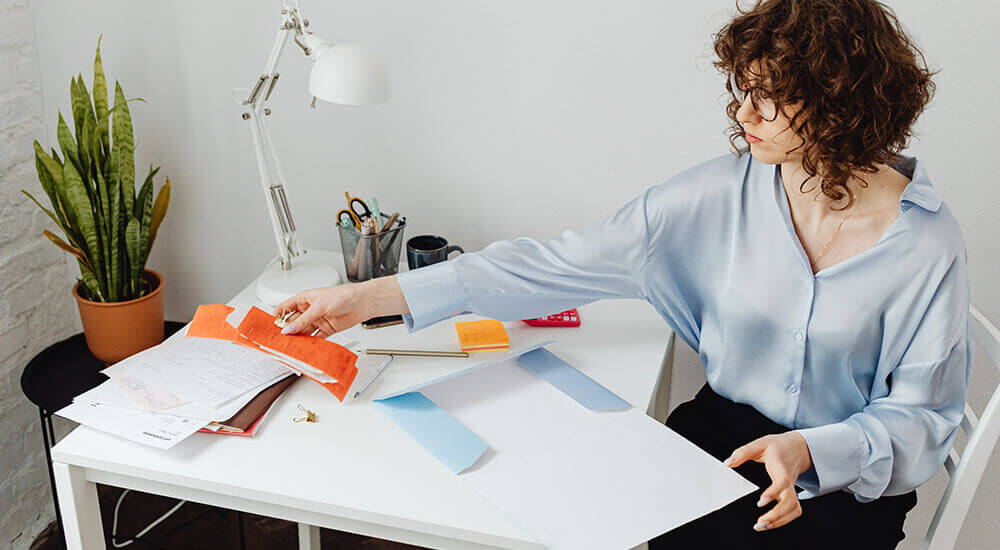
[116,330]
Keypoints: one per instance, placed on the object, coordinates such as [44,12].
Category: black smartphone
[384,321]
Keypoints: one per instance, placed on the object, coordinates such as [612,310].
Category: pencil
[416,352]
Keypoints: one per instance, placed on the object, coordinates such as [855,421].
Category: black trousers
[833,520]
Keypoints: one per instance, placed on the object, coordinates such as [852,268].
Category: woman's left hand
[785,456]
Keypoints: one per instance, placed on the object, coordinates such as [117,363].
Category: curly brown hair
[852,67]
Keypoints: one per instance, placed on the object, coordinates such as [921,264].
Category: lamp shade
[348,74]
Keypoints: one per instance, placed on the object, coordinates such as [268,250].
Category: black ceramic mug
[428,249]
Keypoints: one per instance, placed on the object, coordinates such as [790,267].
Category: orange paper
[210,322]
[484,335]
[333,359]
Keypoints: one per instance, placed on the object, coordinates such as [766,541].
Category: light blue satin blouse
[868,359]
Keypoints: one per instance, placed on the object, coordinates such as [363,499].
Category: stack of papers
[227,357]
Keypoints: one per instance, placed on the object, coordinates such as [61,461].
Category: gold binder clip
[309,417]
[282,321]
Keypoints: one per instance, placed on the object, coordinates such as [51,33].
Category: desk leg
[308,537]
[659,408]
[81,511]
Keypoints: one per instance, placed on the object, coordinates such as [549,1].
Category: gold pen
[416,352]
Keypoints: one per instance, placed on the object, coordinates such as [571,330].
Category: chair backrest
[967,470]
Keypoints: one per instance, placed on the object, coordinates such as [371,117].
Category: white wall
[508,118]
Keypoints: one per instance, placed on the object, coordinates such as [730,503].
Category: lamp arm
[274,192]
[277,195]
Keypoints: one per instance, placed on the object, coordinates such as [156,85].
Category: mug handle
[453,248]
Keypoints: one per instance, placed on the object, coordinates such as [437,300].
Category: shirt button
[798,335]
[793,389]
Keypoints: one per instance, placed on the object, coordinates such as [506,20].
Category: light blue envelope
[457,446]
[547,366]
[436,430]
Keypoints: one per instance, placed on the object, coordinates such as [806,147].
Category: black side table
[55,376]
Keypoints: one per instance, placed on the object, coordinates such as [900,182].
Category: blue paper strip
[446,438]
[547,366]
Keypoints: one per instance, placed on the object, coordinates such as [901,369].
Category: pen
[362,260]
[388,244]
[378,370]
[392,220]
[369,258]
[416,352]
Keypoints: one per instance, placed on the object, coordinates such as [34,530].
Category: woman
[820,277]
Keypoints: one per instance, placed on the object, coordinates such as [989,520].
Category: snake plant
[108,227]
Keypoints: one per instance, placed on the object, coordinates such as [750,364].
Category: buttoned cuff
[432,293]
[836,456]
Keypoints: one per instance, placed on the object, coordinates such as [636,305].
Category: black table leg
[239,518]
[48,435]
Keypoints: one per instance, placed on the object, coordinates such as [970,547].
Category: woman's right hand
[329,309]
[332,309]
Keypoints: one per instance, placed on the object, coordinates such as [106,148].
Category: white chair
[967,470]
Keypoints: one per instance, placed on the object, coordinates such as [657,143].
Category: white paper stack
[168,392]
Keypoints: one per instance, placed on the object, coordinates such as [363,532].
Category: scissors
[356,211]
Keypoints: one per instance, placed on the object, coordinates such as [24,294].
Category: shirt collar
[920,191]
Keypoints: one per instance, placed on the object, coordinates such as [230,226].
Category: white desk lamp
[348,74]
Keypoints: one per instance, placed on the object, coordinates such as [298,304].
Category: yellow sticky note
[487,335]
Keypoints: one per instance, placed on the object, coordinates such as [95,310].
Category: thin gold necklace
[833,237]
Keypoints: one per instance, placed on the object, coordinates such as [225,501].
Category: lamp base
[313,269]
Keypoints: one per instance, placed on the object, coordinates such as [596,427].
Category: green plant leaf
[132,237]
[146,189]
[144,213]
[80,215]
[51,178]
[49,174]
[88,144]
[118,220]
[106,235]
[78,106]
[68,144]
[123,149]
[51,214]
[89,284]
[159,211]
[118,108]
[101,98]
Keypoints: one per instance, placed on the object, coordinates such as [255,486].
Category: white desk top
[354,463]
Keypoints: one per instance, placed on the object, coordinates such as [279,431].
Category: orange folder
[258,329]
[333,359]
[210,322]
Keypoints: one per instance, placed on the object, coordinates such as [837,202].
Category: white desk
[354,470]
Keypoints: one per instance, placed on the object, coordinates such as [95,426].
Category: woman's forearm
[383,296]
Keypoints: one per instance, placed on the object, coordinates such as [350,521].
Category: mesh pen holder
[368,257]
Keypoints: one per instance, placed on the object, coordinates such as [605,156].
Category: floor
[196,526]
